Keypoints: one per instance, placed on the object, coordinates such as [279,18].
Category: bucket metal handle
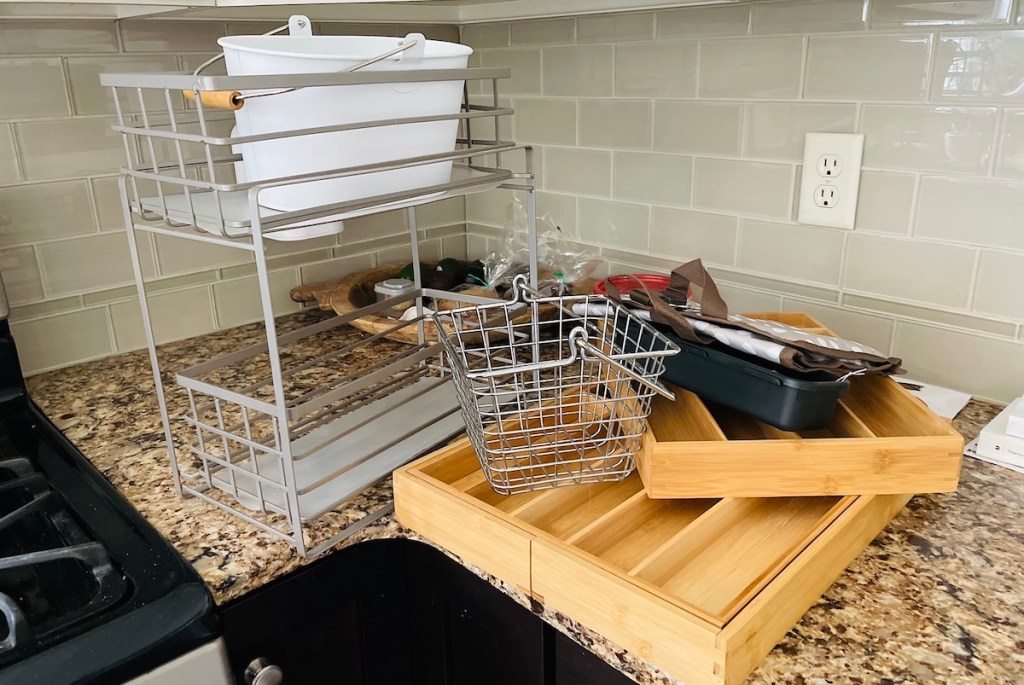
[298,25]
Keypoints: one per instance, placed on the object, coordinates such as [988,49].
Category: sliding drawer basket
[559,397]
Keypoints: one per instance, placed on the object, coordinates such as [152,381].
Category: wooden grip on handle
[220,99]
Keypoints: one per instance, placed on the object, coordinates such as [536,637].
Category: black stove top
[89,591]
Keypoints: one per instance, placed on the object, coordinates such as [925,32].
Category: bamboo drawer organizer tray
[703,587]
[881,440]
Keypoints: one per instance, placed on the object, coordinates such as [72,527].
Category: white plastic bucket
[332,105]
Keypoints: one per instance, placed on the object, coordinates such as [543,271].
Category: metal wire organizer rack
[286,431]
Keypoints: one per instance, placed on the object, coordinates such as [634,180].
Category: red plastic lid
[628,282]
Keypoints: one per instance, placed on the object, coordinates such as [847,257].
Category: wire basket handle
[578,346]
[298,25]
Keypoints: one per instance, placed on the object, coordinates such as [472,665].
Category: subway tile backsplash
[933,268]
[661,135]
[63,250]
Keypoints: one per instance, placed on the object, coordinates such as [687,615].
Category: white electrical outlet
[831,179]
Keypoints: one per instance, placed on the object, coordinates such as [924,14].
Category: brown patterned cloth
[705,319]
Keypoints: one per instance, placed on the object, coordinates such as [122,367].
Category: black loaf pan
[788,400]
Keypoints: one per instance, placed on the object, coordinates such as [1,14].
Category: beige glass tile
[1010,161]
[587,172]
[166,35]
[704,21]
[41,211]
[454,247]
[970,211]
[787,251]
[652,177]
[582,70]
[256,28]
[32,87]
[108,200]
[714,128]
[1000,286]
[930,313]
[776,130]
[751,68]
[766,188]
[686,234]
[68,148]
[615,28]
[544,32]
[868,67]
[556,211]
[614,223]
[8,156]
[476,247]
[446,32]
[979,365]
[546,121]
[176,315]
[637,262]
[45,308]
[22,281]
[88,263]
[779,284]
[488,208]
[525,66]
[238,300]
[178,256]
[807,16]
[885,201]
[485,35]
[192,62]
[50,36]
[618,124]
[869,329]
[928,138]
[979,66]
[62,340]
[374,226]
[333,269]
[656,70]
[742,299]
[90,97]
[925,13]
[347,28]
[909,269]
[443,213]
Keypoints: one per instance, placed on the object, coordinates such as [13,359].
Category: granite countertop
[936,597]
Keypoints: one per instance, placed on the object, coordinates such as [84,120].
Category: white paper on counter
[971,450]
[943,401]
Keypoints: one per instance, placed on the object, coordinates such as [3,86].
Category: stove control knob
[262,672]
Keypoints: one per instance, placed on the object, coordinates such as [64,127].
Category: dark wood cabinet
[401,612]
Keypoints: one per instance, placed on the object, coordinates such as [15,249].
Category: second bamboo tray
[701,588]
[881,440]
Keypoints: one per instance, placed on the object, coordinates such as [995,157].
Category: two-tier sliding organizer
[285,432]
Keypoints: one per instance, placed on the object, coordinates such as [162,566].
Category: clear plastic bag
[562,261]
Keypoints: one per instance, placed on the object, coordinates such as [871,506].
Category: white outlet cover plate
[849,147]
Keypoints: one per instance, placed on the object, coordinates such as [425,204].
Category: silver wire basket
[554,390]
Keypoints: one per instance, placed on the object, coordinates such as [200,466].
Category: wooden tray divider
[689,540]
[640,525]
[615,518]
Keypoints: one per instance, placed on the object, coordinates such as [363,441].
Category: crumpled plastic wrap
[562,260]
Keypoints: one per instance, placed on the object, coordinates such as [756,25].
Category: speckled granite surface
[936,598]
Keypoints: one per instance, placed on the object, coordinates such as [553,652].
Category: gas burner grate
[52,574]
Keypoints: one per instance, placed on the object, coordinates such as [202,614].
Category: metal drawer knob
[261,672]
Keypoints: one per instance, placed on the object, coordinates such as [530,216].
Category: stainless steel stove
[89,591]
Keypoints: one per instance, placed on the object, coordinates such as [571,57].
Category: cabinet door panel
[343,619]
[466,632]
